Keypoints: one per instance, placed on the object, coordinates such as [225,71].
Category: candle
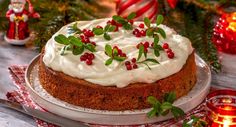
[221,108]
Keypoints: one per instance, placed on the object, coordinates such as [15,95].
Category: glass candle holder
[221,108]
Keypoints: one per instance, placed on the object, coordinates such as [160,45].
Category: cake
[124,70]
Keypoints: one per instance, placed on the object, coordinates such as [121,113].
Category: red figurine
[18,31]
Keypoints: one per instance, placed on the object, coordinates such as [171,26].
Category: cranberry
[143,32]
[98,26]
[135,66]
[168,50]
[127,63]
[131,22]
[170,55]
[120,52]
[133,60]
[89,62]
[138,34]
[165,46]
[91,56]
[141,25]
[152,45]
[146,44]
[93,43]
[129,67]
[123,55]
[83,58]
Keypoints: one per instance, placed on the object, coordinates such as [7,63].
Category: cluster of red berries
[169,52]
[131,65]
[87,58]
[120,52]
[86,40]
[146,45]
[139,33]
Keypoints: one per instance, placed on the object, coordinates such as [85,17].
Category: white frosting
[116,73]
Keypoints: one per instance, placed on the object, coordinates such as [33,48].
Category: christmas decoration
[142,8]
[18,32]
[224,36]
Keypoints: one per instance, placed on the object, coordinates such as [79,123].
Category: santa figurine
[18,31]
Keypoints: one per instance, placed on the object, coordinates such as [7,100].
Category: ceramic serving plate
[134,117]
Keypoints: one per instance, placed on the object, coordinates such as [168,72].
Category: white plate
[42,98]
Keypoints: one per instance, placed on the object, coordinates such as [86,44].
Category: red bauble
[224,33]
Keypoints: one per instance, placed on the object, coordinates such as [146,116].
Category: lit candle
[221,108]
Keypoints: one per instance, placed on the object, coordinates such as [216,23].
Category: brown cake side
[85,94]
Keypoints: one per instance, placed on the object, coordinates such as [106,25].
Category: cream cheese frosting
[116,73]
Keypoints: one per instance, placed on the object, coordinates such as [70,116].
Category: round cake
[104,65]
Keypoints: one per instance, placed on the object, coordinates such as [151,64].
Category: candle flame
[227,122]
[232,21]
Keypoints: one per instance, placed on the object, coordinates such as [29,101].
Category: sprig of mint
[195,122]
[155,30]
[74,44]
[164,107]
[113,54]
[125,22]
[107,28]
[74,29]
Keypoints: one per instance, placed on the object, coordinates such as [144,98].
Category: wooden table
[10,55]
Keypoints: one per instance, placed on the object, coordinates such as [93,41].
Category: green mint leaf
[120,59]
[107,27]
[147,22]
[107,36]
[152,60]
[115,52]
[98,31]
[156,40]
[108,50]
[185,124]
[156,53]
[127,26]
[149,32]
[170,97]
[111,28]
[161,32]
[75,41]
[159,20]
[177,112]
[119,19]
[78,50]
[166,106]
[158,47]
[152,100]
[108,62]
[141,51]
[152,113]
[62,39]
[90,47]
[131,16]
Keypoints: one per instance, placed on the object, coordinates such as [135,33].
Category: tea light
[221,108]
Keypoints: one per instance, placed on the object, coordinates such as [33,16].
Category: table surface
[21,55]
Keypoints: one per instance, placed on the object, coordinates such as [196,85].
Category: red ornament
[224,33]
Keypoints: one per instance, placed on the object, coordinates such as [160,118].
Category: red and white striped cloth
[22,96]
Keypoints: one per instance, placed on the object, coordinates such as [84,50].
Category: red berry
[141,25]
[146,44]
[168,50]
[93,43]
[113,22]
[91,56]
[120,52]
[143,32]
[165,46]
[152,45]
[83,58]
[82,36]
[131,22]
[123,55]
[138,34]
[129,67]
[127,63]
[89,62]
[98,26]
[133,60]
[85,30]
[135,66]
[170,55]
[109,22]
[138,45]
